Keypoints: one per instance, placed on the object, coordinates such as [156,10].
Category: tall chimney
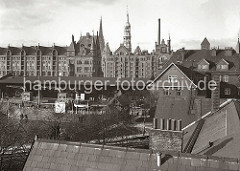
[215,94]
[159,31]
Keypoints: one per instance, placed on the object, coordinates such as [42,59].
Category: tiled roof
[3,51]
[45,50]
[33,49]
[205,42]
[61,50]
[29,50]
[15,50]
[189,58]
[74,156]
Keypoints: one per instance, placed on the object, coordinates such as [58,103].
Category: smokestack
[215,94]
[159,31]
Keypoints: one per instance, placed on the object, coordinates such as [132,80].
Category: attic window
[223,67]
[172,78]
[204,66]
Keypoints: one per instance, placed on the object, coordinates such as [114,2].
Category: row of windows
[84,69]
[206,67]
[174,78]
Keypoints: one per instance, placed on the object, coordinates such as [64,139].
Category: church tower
[101,37]
[127,35]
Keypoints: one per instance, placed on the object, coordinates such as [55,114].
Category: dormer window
[203,65]
[222,65]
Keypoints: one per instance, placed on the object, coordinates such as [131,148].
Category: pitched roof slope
[61,155]
[220,129]
[191,58]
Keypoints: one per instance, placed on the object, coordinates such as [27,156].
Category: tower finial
[127,15]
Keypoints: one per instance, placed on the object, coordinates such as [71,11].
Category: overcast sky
[54,21]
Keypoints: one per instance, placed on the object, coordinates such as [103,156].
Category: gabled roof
[205,42]
[188,73]
[107,49]
[222,61]
[205,61]
[71,47]
[122,48]
[137,51]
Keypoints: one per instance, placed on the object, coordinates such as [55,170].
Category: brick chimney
[215,94]
[167,136]
[182,53]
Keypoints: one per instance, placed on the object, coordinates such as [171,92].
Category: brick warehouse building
[87,57]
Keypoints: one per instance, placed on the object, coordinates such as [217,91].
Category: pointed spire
[127,15]
[101,37]
[92,49]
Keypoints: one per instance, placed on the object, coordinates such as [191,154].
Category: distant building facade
[137,64]
[87,57]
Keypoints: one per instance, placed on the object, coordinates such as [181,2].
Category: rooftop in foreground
[63,155]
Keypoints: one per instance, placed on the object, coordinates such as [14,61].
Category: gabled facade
[222,65]
[177,94]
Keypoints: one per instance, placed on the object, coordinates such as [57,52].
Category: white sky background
[54,21]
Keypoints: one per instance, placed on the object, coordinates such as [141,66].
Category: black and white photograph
[119,85]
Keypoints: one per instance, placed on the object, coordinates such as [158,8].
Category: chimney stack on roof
[167,124]
[215,94]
